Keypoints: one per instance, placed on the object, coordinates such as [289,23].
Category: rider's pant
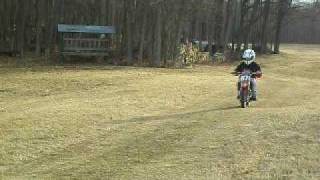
[253,86]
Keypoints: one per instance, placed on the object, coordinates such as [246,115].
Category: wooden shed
[82,40]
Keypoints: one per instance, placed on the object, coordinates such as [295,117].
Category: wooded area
[303,24]
[151,31]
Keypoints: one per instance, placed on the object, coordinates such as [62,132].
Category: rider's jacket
[253,67]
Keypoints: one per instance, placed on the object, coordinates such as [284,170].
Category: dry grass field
[90,122]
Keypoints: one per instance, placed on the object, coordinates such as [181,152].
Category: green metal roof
[65,28]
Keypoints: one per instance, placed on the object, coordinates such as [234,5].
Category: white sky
[302,0]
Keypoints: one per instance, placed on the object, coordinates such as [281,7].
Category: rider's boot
[253,90]
[253,98]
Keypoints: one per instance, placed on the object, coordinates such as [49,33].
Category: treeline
[149,30]
[303,24]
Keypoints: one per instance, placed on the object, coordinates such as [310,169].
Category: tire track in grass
[150,142]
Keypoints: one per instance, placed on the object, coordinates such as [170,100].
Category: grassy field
[141,123]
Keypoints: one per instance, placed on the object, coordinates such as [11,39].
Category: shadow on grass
[119,153]
[65,67]
[181,115]
[92,67]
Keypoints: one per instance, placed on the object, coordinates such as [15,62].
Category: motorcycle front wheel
[244,98]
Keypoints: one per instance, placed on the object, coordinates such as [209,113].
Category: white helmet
[249,56]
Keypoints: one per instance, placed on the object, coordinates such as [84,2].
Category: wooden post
[61,47]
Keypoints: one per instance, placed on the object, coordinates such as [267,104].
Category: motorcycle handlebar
[257,74]
[253,73]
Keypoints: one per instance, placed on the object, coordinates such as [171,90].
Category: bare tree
[283,8]
[152,30]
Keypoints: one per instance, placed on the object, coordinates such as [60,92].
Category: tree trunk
[228,23]
[40,14]
[158,38]
[264,34]
[142,37]
[129,34]
[21,28]
[103,18]
[283,8]
[219,25]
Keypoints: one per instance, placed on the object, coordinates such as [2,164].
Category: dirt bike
[245,87]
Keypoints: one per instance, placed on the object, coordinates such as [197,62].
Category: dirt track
[140,123]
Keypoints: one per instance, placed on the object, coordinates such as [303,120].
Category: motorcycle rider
[248,63]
